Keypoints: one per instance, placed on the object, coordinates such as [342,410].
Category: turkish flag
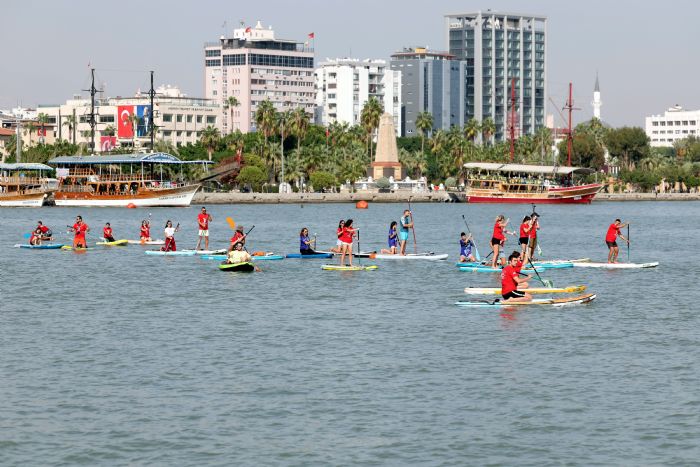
[311,35]
[247,29]
[125,129]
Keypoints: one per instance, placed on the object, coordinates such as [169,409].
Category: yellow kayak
[114,243]
[532,291]
[336,267]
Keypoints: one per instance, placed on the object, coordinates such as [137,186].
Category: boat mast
[512,119]
[569,134]
[92,121]
[151,94]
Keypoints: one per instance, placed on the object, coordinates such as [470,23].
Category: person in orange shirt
[80,229]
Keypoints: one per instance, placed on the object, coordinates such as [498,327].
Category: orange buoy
[131,205]
[361,205]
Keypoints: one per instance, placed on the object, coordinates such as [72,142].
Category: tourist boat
[23,185]
[489,182]
[121,180]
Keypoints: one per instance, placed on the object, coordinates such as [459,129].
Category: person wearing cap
[238,237]
[203,220]
[46,234]
[532,241]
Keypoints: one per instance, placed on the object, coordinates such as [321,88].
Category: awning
[25,166]
[139,158]
[529,169]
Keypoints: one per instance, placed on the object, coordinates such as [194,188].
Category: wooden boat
[104,181]
[23,185]
[518,183]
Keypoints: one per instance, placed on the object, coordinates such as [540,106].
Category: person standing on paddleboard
[338,244]
[145,234]
[392,240]
[499,237]
[403,231]
[238,237]
[203,220]
[80,229]
[107,233]
[511,281]
[524,237]
[169,233]
[611,239]
[466,247]
[532,243]
[346,242]
[305,243]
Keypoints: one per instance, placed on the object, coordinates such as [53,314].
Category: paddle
[549,284]
[476,250]
[413,228]
[628,242]
[231,223]
[359,249]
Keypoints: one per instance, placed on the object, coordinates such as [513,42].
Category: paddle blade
[231,223]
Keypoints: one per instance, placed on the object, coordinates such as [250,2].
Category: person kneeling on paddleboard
[611,237]
[391,240]
[145,234]
[238,255]
[35,239]
[107,233]
[511,280]
[46,233]
[466,245]
[305,243]
[169,233]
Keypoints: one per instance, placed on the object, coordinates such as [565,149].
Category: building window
[212,53]
[107,118]
[199,119]
[211,120]
[167,133]
[167,118]
[234,59]
[212,62]
[178,118]
[189,119]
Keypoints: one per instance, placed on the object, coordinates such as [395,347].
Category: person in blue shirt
[406,223]
[466,248]
[305,243]
[391,240]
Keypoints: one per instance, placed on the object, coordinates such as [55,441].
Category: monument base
[386,169]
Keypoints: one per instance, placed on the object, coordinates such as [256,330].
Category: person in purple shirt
[305,243]
[392,240]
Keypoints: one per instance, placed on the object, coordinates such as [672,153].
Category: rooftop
[510,14]
[138,158]
[422,52]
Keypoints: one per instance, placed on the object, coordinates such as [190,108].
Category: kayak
[221,251]
[57,246]
[490,269]
[535,301]
[533,290]
[152,242]
[114,243]
[170,253]
[424,256]
[316,256]
[255,258]
[617,265]
[336,267]
[237,267]
[552,265]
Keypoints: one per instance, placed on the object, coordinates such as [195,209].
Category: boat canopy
[26,166]
[529,169]
[138,158]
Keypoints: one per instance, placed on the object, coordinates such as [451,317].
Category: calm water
[113,357]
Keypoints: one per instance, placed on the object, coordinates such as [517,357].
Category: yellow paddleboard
[114,243]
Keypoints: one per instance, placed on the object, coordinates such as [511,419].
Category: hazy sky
[646,56]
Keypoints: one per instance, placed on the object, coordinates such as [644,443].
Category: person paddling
[145,233]
[80,229]
[46,234]
[338,244]
[406,224]
[532,241]
[107,233]
[346,239]
[169,233]
[238,255]
[36,237]
[524,237]
[203,220]
[511,280]
[392,240]
[466,246]
[305,243]
[238,237]
[611,239]
[499,237]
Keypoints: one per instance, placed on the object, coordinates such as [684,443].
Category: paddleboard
[535,301]
[423,256]
[557,265]
[152,242]
[170,253]
[114,243]
[617,265]
[316,256]
[490,269]
[335,267]
[255,258]
[70,248]
[57,246]
[533,291]
[361,254]
[221,251]
[237,267]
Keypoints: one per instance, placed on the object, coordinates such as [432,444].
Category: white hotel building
[343,86]
[675,124]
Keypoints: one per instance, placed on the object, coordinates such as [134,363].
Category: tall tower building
[597,103]
[499,47]
[253,66]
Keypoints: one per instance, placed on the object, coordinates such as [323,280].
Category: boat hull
[27,200]
[582,194]
[173,197]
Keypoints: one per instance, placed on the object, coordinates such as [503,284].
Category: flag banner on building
[41,131]
[107,143]
[143,112]
[125,128]
[312,35]
[126,125]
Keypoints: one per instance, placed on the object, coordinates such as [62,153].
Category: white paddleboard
[617,265]
[419,256]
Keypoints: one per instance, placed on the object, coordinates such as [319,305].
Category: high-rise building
[253,66]
[674,125]
[343,86]
[500,47]
[430,82]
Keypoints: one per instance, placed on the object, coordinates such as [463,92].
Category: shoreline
[399,197]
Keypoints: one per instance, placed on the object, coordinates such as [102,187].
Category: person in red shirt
[36,237]
[80,229]
[145,233]
[203,219]
[532,244]
[238,237]
[611,237]
[499,237]
[346,239]
[524,236]
[339,245]
[511,280]
[46,233]
[107,233]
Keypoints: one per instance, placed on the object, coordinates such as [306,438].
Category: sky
[645,56]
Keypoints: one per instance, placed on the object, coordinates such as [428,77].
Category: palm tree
[69,121]
[265,118]
[235,142]
[30,128]
[300,124]
[424,124]
[369,118]
[42,119]
[210,139]
[230,103]
[543,141]
[488,128]
[134,120]
[109,130]
[472,129]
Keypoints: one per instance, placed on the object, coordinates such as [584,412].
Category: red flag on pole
[311,35]
[247,29]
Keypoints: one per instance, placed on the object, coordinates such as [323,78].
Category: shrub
[383,183]
[253,176]
[322,180]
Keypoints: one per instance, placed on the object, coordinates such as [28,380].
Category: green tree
[628,144]
[488,129]
[70,122]
[266,119]
[210,139]
[472,129]
[369,119]
[42,119]
[585,151]
[109,130]
[322,180]
[252,175]
[300,124]
[424,124]
[230,104]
